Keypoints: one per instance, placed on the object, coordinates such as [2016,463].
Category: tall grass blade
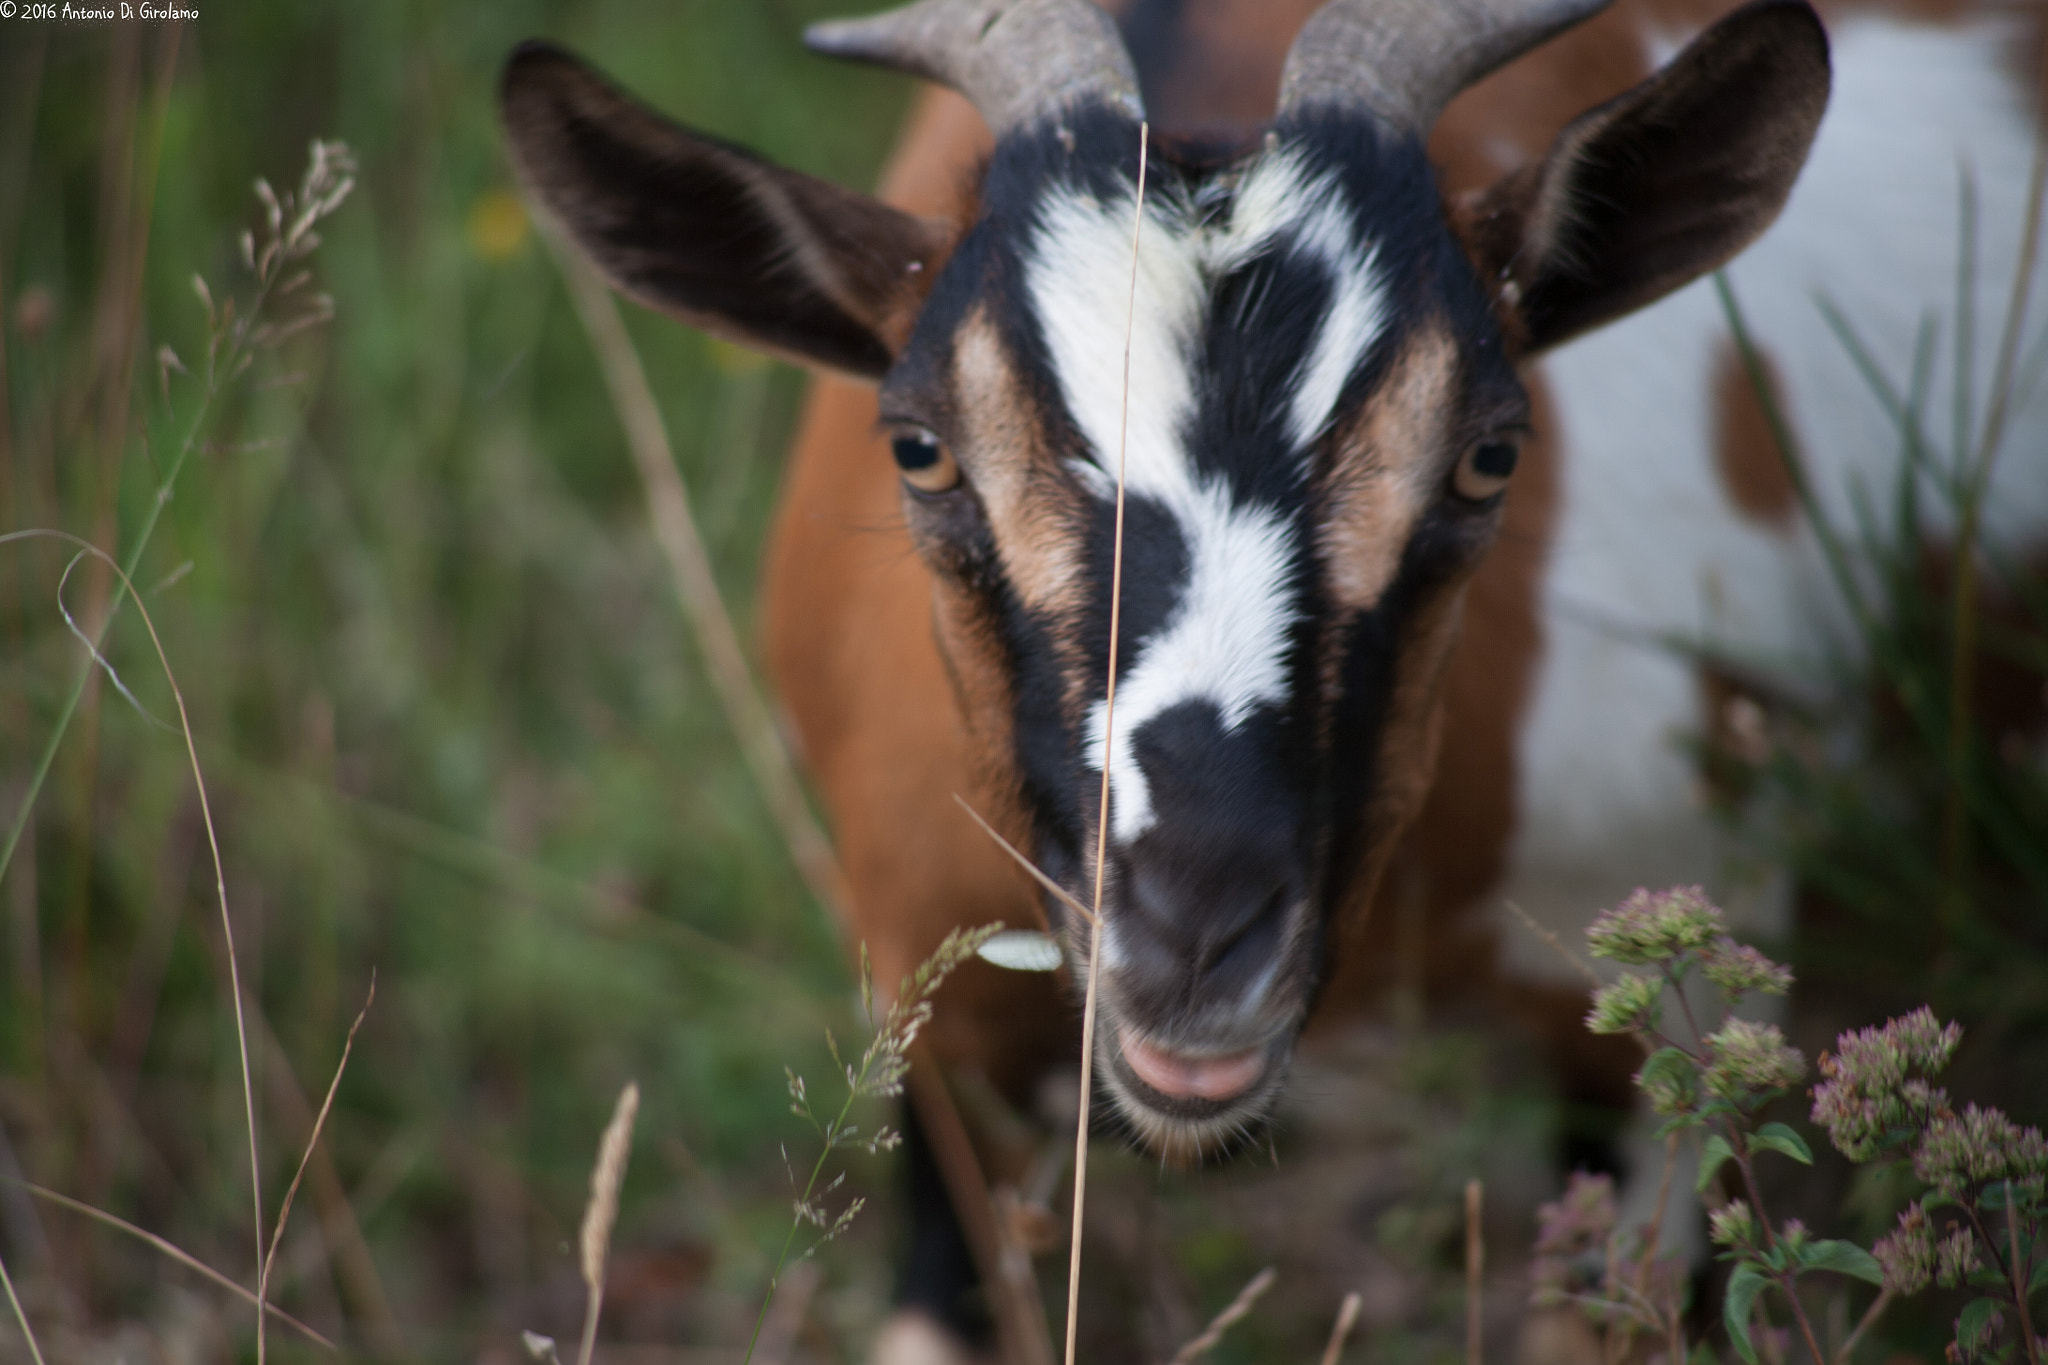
[175,1253]
[220,889]
[284,1211]
[1116,590]
[28,1333]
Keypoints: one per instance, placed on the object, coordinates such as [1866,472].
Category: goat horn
[1016,59]
[1403,60]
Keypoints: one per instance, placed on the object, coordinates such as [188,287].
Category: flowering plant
[1980,1221]
[1716,1082]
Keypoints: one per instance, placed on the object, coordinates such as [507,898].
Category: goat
[1334,611]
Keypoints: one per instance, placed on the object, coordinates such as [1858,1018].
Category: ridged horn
[1403,60]
[1016,59]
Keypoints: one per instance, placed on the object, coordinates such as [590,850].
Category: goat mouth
[1189,1108]
[1184,1076]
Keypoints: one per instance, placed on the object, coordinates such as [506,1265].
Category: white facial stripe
[1279,194]
[1357,316]
[1226,640]
[1080,280]
[1224,644]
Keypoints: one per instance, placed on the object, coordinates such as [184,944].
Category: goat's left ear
[1659,185]
[711,233]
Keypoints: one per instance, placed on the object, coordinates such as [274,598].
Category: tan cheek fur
[1032,510]
[1386,471]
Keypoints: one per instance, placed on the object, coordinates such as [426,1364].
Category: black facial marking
[1154,578]
[1263,319]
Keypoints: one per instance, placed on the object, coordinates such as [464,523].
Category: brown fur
[1020,486]
[1747,454]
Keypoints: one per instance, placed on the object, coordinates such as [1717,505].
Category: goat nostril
[1252,938]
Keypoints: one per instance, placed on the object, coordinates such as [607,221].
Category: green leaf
[1743,1287]
[1673,1125]
[2039,1279]
[1844,1258]
[1993,1196]
[1970,1326]
[1713,1152]
[1668,1061]
[1778,1138]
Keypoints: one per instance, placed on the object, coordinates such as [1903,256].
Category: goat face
[1306,384]
[1315,436]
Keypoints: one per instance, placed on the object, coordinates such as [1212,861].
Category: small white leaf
[1021,950]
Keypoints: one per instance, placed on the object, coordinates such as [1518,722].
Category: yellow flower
[497,226]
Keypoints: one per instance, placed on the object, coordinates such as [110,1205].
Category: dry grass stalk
[1475,1269]
[284,1211]
[1653,1237]
[176,1253]
[1030,867]
[786,1317]
[1572,959]
[28,1333]
[1347,1317]
[220,886]
[1005,1265]
[327,183]
[675,529]
[1116,593]
[1225,1320]
[342,1232]
[1863,1324]
[603,1210]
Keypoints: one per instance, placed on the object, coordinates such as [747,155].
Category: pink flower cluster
[1868,1099]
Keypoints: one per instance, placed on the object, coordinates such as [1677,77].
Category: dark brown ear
[708,231]
[1662,183]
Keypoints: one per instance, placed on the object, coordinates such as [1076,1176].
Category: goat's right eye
[925,462]
[1482,474]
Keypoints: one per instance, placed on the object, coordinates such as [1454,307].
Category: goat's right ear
[1662,183]
[711,233]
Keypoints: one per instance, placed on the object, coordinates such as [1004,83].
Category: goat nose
[1215,926]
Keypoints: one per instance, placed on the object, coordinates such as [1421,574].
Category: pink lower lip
[1184,1077]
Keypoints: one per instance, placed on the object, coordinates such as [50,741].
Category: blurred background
[457,736]
[453,726]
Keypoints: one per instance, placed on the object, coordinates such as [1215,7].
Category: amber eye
[926,463]
[1484,470]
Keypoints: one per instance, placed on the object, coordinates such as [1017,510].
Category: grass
[435,683]
[1905,792]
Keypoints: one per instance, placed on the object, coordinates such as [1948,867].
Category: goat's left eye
[923,460]
[1484,470]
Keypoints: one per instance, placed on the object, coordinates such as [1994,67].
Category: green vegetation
[452,725]
[1902,781]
